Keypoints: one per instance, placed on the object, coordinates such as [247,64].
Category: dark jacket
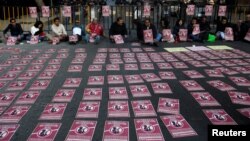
[144,27]
[14,30]
[221,27]
[205,26]
[177,29]
[244,27]
[116,29]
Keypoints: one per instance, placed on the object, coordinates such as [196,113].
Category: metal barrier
[83,14]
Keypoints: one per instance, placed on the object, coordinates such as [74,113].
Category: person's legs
[97,39]
[86,38]
[158,37]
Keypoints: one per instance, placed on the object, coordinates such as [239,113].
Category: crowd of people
[93,32]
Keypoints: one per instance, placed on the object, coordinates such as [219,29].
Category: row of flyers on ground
[148,36]
[106,11]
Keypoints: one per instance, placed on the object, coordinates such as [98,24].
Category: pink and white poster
[240,81]
[132,79]
[40,85]
[167,35]
[106,10]
[67,11]
[118,109]
[73,38]
[191,85]
[118,39]
[219,117]
[239,98]
[148,129]
[7,131]
[168,106]
[190,10]
[53,111]
[161,88]
[222,11]
[88,109]
[96,80]
[148,36]
[81,129]
[7,98]
[34,40]
[183,34]
[28,97]
[205,99]
[64,95]
[11,41]
[193,74]
[143,108]
[14,114]
[45,132]
[115,79]
[92,94]
[33,12]
[167,75]
[118,130]
[118,93]
[196,29]
[229,34]
[178,126]
[72,82]
[146,10]
[209,10]
[222,86]
[139,91]
[17,85]
[45,11]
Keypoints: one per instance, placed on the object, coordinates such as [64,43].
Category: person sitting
[78,30]
[118,28]
[148,25]
[15,30]
[178,25]
[58,30]
[94,31]
[204,28]
[221,26]
[37,30]
[191,28]
[245,27]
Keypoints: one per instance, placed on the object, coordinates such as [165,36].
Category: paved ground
[189,108]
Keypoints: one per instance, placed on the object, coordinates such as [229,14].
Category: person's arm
[87,29]
[6,29]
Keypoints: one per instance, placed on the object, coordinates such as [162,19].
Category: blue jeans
[97,38]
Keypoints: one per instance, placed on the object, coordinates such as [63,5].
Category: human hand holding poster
[148,36]
[167,35]
[11,41]
[45,11]
[118,39]
[183,34]
[196,29]
[229,35]
[33,12]
[34,40]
